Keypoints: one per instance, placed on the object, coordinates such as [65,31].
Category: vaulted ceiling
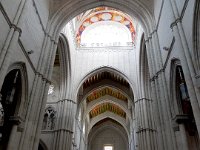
[105,99]
[58,4]
[103,76]
[107,107]
[106,91]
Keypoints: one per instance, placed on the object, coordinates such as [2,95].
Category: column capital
[141,99]
[69,100]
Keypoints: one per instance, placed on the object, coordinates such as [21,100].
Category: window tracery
[49,119]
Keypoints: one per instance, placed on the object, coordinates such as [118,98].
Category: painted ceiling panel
[106,91]
[104,75]
[107,107]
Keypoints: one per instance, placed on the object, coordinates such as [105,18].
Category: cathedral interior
[99,74]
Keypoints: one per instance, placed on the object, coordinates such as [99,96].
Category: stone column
[145,128]
[156,117]
[38,96]
[77,135]
[164,94]
[145,123]
[64,129]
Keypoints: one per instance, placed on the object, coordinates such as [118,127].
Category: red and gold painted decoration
[99,77]
[106,91]
[107,107]
[104,14]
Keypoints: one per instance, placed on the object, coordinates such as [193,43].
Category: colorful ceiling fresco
[106,91]
[103,14]
[107,107]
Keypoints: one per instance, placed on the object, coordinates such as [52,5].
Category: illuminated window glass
[103,34]
[108,147]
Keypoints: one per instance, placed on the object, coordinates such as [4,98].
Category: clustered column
[160,96]
[64,128]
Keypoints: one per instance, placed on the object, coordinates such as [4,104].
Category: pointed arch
[49,118]
[108,99]
[107,124]
[61,74]
[173,103]
[23,106]
[13,101]
[42,145]
[110,115]
[144,69]
[104,69]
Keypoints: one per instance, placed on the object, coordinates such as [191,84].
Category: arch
[42,145]
[107,83]
[110,115]
[14,101]
[103,69]
[107,125]
[144,69]
[109,99]
[196,36]
[49,118]
[180,96]
[173,102]
[181,108]
[124,92]
[60,17]
[65,64]
[21,66]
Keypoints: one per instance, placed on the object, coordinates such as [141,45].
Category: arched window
[49,119]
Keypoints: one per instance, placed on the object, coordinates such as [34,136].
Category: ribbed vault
[99,77]
[106,91]
[100,101]
[107,107]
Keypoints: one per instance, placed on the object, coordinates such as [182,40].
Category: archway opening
[10,100]
[108,134]
[104,97]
